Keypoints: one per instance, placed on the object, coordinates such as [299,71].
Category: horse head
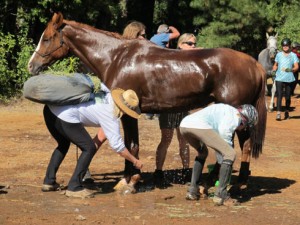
[272,45]
[51,46]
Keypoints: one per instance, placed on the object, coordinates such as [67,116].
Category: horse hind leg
[273,91]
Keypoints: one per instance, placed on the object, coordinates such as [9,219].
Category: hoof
[127,189]
[120,184]
[203,192]
[270,110]
[135,179]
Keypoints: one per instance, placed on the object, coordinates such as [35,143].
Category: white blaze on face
[37,48]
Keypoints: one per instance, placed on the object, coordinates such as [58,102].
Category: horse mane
[88,27]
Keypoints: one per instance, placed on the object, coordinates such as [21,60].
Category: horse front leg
[271,106]
[245,164]
[131,138]
[244,141]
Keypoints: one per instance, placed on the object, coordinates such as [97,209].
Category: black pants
[296,75]
[288,91]
[65,133]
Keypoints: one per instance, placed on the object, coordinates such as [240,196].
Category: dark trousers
[65,133]
[296,75]
[288,91]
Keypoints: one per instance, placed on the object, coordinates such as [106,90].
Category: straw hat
[127,101]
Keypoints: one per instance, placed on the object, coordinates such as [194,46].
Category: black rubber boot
[159,180]
[244,173]
[186,175]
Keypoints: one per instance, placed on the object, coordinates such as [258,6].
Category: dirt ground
[272,196]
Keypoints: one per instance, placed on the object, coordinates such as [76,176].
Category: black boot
[193,191]
[244,173]
[186,175]
[286,115]
[159,180]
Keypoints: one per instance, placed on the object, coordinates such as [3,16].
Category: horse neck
[93,47]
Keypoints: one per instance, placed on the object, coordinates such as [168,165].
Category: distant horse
[266,57]
[165,80]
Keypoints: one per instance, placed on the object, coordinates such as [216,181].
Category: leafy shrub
[15,52]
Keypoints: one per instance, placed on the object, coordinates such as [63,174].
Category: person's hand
[288,70]
[273,73]
[138,164]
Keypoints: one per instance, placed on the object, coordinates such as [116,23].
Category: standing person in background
[187,41]
[135,30]
[164,34]
[296,50]
[214,127]
[168,122]
[286,63]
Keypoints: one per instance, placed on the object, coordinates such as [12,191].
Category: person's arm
[174,33]
[99,139]
[274,69]
[127,155]
[295,67]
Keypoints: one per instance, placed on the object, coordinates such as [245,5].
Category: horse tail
[257,136]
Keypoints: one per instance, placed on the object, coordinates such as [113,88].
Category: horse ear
[267,35]
[276,35]
[57,20]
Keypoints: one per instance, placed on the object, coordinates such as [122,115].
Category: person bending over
[66,125]
[214,127]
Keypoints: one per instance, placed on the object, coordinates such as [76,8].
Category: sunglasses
[190,43]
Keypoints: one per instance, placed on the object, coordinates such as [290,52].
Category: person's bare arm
[174,32]
[127,155]
[275,66]
[99,139]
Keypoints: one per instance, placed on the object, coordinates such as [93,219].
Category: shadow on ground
[257,186]
[2,190]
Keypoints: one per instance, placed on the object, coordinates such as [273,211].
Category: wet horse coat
[164,79]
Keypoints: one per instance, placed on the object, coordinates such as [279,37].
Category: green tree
[230,23]
[284,17]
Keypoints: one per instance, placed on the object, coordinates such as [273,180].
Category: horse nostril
[30,67]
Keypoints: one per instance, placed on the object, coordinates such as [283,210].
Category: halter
[270,52]
[60,45]
[272,48]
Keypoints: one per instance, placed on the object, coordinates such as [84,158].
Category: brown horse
[164,79]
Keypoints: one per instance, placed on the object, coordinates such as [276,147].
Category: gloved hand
[288,70]
[273,73]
